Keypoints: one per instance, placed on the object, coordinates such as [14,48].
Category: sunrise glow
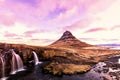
[41,22]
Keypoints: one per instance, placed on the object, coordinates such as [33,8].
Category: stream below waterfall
[107,70]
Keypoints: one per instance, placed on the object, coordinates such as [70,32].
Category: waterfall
[17,64]
[119,60]
[3,66]
[36,58]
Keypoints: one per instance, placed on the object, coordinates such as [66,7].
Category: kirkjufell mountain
[69,41]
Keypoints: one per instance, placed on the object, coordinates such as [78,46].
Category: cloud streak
[30,33]
[10,35]
[95,30]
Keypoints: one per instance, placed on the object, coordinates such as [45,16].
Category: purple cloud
[34,12]
[32,32]
[49,15]
[10,35]
[78,25]
[95,30]
[29,2]
[56,12]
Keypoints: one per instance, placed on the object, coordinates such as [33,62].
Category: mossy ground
[59,69]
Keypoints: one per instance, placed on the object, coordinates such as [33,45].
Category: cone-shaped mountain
[68,40]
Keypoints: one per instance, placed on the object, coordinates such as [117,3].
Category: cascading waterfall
[119,61]
[17,64]
[36,58]
[3,66]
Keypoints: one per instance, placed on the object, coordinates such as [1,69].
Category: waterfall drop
[17,64]
[3,66]
[119,61]
[36,58]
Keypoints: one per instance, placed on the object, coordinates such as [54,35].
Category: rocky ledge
[59,69]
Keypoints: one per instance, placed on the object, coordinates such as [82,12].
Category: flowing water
[17,64]
[119,60]
[97,73]
[108,70]
[36,60]
[3,66]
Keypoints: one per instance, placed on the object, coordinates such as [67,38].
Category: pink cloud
[77,13]
[42,40]
[89,39]
[17,38]
[95,30]
[6,18]
[35,39]
[99,6]
[115,27]
[10,35]
[32,32]
[34,12]
[79,24]
[51,15]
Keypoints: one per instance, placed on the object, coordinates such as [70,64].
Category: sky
[41,22]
